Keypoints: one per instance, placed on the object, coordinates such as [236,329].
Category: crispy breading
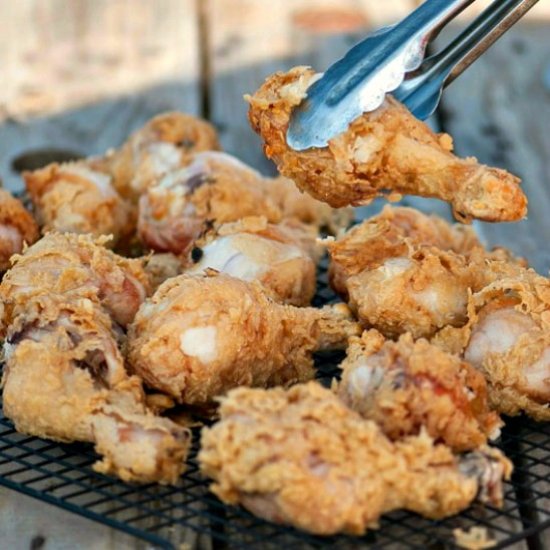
[199,336]
[301,457]
[213,188]
[387,151]
[406,386]
[76,197]
[391,234]
[74,265]
[161,267]
[65,380]
[278,256]
[508,338]
[17,227]
[162,145]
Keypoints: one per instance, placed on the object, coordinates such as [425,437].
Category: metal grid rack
[61,475]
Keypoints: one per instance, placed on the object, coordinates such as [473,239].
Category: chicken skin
[301,457]
[391,234]
[406,386]
[213,188]
[65,380]
[17,227]
[76,197]
[162,145]
[507,338]
[387,151]
[254,250]
[75,266]
[199,336]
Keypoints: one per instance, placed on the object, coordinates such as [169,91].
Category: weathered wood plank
[83,75]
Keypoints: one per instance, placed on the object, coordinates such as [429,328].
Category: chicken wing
[65,380]
[199,336]
[162,145]
[78,198]
[254,250]
[301,457]
[507,337]
[17,227]
[72,265]
[213,188]
[406,386]
[387,151]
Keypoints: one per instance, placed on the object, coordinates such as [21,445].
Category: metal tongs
[392,60]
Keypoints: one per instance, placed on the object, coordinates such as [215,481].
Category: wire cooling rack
[167,516]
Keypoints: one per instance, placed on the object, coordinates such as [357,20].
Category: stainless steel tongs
[392,60]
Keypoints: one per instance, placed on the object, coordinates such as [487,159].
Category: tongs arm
[421,91]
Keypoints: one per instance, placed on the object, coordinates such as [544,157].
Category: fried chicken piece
[213,188]
[301,457]
[75,266]
[406,386]
[254,250]
[65,380]
[17,227]
[387,151]
[391,234]
[77,197]
[295,204]
[507,337]
[199,336]
[419,292]
[163,145]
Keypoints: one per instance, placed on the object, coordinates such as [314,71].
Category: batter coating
[75,266]
[78,198]
[301,457]
[65,380]
[162,145]
[199,336]
[406,386]
[17,227]
[507,338]
[213,188]
[385,152]
[254,250]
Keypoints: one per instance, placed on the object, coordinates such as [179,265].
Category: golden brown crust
[301,457]
[508,338]
[405,386]
[199,336]
[76,198]
[387,151]
[163,144]
[17,227]
[65,380]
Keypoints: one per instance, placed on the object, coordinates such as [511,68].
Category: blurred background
[79,75]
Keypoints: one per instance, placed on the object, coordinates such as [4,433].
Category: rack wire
[61,474]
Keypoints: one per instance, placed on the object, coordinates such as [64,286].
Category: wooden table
[81,75]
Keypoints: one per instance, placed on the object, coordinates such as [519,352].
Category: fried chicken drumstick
[507,337]
[301,457]
[199,336]
[405,386]
[385,151]
[17,227]
[74,266]
[251,249]
[65,380]
[77,197]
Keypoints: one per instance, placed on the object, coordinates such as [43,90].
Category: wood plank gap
[203,12]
